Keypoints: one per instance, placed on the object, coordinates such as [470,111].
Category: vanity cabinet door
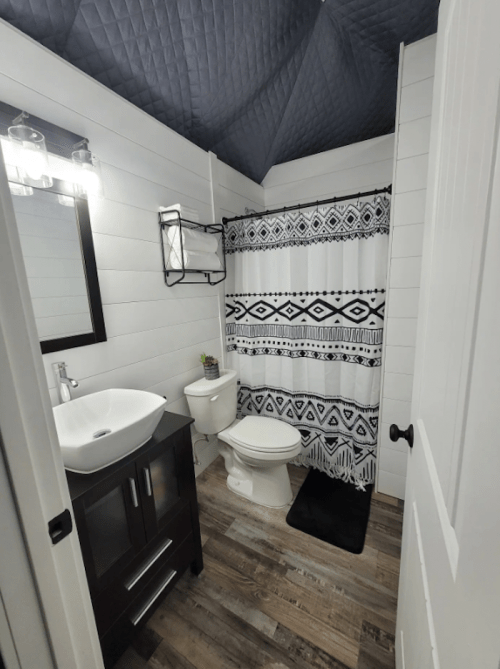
[110,526]
[162,485]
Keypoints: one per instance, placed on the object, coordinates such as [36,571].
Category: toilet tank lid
[205,387]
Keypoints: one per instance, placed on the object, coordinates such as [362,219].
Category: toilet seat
[265,435]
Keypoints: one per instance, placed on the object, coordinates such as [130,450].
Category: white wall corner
[216,217]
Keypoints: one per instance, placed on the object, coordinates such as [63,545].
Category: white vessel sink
[101,428]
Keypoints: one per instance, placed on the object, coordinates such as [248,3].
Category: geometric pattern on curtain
[296,228]
[304,328]
[295,320]
[337,433]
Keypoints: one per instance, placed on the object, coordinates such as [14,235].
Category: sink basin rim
[79,420]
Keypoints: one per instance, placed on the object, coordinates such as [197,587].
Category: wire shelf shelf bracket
[183,273]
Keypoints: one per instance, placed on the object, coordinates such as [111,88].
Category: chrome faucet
[63,382]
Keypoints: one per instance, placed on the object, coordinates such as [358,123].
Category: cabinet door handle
[138,616]
[147,565]
[133,492]
[147,481]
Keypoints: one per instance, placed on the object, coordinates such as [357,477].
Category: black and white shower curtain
[304,319]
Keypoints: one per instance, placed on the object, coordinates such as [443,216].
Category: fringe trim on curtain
[346,474]
[339,436]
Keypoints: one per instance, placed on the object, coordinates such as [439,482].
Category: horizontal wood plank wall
[155,333]
[349,169]
[411,155]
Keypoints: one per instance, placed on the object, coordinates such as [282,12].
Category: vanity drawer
[118,637]
[112,601]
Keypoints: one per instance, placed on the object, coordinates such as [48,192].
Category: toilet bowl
[256,449]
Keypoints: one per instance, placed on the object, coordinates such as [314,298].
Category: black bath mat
[332,510]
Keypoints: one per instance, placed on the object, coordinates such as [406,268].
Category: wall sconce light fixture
[19,189]
[66,201]
[31,157]
[88,178]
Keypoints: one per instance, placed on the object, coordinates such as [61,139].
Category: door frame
[453,553]
[34,463]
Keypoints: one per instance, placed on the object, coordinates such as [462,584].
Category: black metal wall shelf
[210,228]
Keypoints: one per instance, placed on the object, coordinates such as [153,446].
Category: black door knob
[395,433]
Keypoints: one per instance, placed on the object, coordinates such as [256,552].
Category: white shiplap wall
[155,333]
[416,76]
[357,167]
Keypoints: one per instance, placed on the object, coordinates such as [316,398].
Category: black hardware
[395,433]
[60,526]
[211,228]
[331,200]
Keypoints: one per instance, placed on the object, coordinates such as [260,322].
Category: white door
[46,617]
[449,597]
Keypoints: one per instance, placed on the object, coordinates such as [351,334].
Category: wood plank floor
[271,597]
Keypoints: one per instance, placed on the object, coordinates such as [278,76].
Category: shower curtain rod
[340,198]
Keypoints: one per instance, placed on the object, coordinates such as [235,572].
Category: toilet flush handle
[215,397]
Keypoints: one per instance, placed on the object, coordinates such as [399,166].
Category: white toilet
[256,449]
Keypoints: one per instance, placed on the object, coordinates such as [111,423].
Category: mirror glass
[51,245]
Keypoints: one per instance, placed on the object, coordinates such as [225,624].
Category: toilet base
[264,485]
[272,499]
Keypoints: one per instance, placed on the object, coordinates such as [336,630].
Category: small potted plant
[210,366]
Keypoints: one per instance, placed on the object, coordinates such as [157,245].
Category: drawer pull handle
[147,481]
[147,565]
[133,492]
[138,616]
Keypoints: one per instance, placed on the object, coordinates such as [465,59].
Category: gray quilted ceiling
[258,82]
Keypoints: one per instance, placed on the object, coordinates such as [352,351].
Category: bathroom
[155,336]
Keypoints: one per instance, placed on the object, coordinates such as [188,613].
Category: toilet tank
[213,403]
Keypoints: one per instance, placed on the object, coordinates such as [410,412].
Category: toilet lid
[265,434]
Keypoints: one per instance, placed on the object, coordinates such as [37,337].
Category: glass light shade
[19,189]
[88,178]
[31,158]
[16,188]
[66,201]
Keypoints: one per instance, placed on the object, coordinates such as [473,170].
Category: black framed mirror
[58,250]
[56,240]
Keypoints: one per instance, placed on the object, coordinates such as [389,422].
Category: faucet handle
[59,369]
[58,366]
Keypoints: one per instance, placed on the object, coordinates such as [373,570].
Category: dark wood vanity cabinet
[139,530]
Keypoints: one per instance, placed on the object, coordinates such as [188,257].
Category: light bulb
[89,180]
[87,173]
[32,161]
